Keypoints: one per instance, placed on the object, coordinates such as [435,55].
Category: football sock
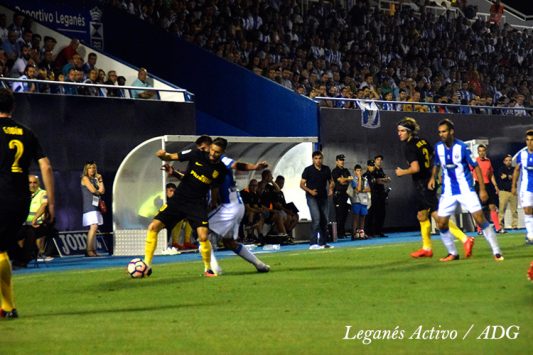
[447,240]
[214,263]
[149,247]
[528,221]
[489,234]
[205,252]
[6,288]
[456,232]
[425,231]
[246,254]
[495,220]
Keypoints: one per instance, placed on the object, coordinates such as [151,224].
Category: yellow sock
[425,231]
[456,232]
[205,251]
[149,247]
[6,288]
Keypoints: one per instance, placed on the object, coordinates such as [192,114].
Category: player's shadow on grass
[150,282]
[115,310]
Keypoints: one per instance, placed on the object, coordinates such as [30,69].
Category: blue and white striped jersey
[525,159]
[455,161]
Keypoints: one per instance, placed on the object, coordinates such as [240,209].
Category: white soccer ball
[137,268]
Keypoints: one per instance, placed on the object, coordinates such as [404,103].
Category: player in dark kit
[419,155]
[204,171]
[18,147]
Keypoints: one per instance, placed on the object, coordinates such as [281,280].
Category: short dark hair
[221,142]
[529,132]
[7,101]
[379,156]
[317,152]
[448,123]
[265,173]
[280,177]
[482,146]
[171,185]
[204,138]
[357,166]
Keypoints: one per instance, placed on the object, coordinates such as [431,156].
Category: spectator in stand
[91,90]
[112,80]
[42,74]
[496,13]
[72,78]
[58,88]
[49,45]
[3,28]
[141,81]
[121,81]
[47,61]
[101,76]
[25,39]
[22,62]
[90,64]
[66,54]
[519,105]
[23,86]
[17,25]
[76,62]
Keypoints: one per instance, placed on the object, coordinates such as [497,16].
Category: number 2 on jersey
[19,150]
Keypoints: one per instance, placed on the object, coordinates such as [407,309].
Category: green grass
[302,306]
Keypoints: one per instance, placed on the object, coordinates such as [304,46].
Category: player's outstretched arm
[163,155]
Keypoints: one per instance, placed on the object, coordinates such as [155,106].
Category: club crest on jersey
[215,174]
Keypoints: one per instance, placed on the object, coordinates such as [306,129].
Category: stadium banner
[83,21]
[74,243]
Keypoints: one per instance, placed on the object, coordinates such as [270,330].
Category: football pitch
[370,299]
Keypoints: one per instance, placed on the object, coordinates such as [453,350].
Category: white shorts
[92,217]
[469,201]
[226,219]
[526,199]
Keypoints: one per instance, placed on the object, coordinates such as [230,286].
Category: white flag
[370,117]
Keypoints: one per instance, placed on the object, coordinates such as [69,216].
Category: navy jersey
[418,149]
[18,147]
[200,175]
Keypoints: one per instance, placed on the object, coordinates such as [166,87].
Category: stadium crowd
[361,53]
[27,55]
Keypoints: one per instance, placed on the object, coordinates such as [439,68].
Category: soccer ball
[137,268]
